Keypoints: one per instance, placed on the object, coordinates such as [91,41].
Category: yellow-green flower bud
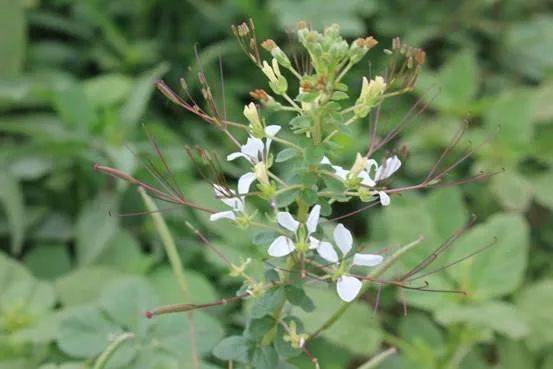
[277,82]
[371,91]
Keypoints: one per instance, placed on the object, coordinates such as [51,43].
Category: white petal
[225,194]
[367,259]
[223,214]
[244,182]
[253,148]
[325,160]
[343,238]
[340,172]
[286,220]
[384,198]
[348,287]
[234,155]
[366,179]
[313,219]
[282,246]
[327,252]
[271,131]
[390,166]
[313,243]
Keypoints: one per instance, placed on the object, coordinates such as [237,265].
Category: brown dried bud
[368,42]
[306,86]
[268,45]
[420,56]
[260,94]
[302,24]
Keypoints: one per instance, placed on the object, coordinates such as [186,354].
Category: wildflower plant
[290,167]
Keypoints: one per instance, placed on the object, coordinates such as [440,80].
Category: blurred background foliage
[76,86]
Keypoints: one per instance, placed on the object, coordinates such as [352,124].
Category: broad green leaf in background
[502,317]
[74,108]
[359,333]
[536,303]
[319,14]
[95,228]
[455,86]
[513,190]
[543,187]
[200,289]
[11,199]
[498,270]
[140,94]
[57,257]
[164,339]
[85,285]
[107,90]
[123,252]
[13,37]
[529,46]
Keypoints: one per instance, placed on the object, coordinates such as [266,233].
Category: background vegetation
[76,84]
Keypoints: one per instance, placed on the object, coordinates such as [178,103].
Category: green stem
[110,350]
[167,241]
[287,143]
[376,360]
[374,275]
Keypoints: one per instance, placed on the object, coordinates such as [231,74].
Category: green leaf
[13,37]
[85,332]
[267,303]
[512,190]
[297,296]
[123,252]
[12,200]
[499,270]
[95,228]
[235,348]
[543,189]
[314,155]
[73,107]
[536,303]
[141,91]
[57,256]
[357,332]
[107,89]
[85,285]
[265,357]
[200,289]
[257,328]
[502,317]
[286,154]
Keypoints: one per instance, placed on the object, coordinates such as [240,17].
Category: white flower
[372,89]
[347,286]
[284,245]
[228,197]
[362,169]
[255,151]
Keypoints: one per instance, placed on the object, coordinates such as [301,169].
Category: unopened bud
[371,91]
[268,45]
[358,166]
[260,170]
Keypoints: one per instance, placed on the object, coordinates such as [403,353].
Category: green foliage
[76,84]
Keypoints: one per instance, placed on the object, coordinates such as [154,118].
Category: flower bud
[358,166]
[370,94]
[277,82]
[261,173]
[251,114]
[360,47]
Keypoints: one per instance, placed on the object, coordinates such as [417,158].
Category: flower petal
[340,172]
[235,155]
[282,246]
[271,131]
[327,252]
[244,182]
[313,219]
[343,238]
[384,198]
[287,221]
[390,166]
[366,179]
[348,287]
[225,195]
[313,243]
[222,215]
[367,259]
[253,148]
[325,160]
